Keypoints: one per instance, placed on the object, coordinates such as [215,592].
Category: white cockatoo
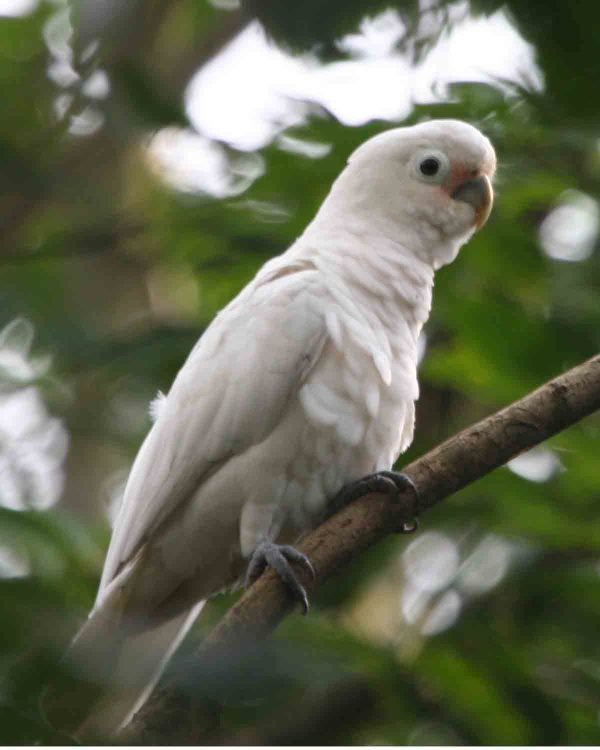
[304,383]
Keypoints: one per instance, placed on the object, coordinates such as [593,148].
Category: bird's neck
[381,274]
[386,221]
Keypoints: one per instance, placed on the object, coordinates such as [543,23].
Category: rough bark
[451,466]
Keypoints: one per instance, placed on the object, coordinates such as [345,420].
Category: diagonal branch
[451,466]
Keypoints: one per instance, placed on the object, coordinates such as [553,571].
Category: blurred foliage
[119,273]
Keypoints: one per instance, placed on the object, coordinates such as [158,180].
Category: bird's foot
[391,483]
[279,557]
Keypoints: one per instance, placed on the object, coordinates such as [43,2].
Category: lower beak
[478,194]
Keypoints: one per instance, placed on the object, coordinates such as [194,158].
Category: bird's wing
[229,395]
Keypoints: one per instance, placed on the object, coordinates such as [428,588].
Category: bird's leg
[279,557]
[388,482]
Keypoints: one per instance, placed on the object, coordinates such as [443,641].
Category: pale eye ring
[430,166]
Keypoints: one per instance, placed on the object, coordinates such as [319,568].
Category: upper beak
[478,193]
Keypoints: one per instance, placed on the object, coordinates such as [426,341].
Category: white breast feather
[266,351]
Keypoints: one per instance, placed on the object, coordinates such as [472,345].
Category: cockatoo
[305,383]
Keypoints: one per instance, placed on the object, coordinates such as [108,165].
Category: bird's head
[428,186]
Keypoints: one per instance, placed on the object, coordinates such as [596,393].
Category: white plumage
[303,383]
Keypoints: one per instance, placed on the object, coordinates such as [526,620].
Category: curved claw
[279,557]
[401,481]
[409,527]
[295,556]
[388,482]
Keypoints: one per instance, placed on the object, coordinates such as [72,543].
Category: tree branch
[451,466]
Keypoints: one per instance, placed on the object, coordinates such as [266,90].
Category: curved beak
[477,192]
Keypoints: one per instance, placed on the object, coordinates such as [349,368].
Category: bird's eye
[430,166]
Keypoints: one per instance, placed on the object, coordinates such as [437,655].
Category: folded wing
[229,395]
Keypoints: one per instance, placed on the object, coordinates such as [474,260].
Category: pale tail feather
[130,664]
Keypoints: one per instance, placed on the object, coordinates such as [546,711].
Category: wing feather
[229,395]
